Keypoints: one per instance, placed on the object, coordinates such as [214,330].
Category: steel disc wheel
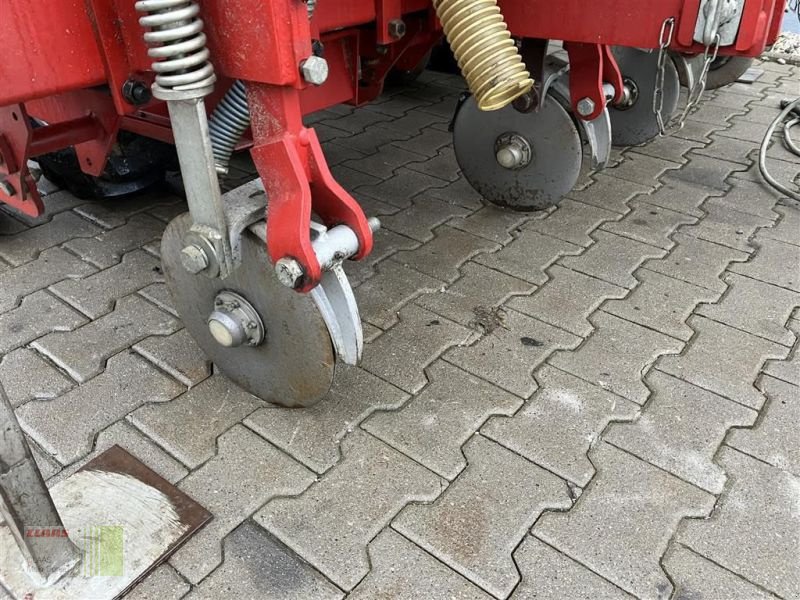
[523,161]
[294,364]
[637,123]
[726,70]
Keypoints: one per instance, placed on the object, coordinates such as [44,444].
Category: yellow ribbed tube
[486,54]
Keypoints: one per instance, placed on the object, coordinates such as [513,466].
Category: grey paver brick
[402,186]
[716,114]
[640,168]
[158,294]
[459,192]
[312,435]
[403,571]
[669,148]
[246,472]
[567,300]
[331,524]
[47,465]
[788,369]
[697,262]
[572,222]
[401,354]
[83,352]
[610,192]
[188,426]
[774,262]
[726,227]
[116,213]
[424,214]
[492,223]
[649,223]
[386,243]
[351,178]
[96,295]
[432,426]
[384,162]
[106,249]
[623,521]
[698,131]
[774,437]
[617,355]
[51,266]
[396,105]
[258,566]
[698,577]
[559,424]
[373,138]
[472,299]
[442,256]
[706,171]
[27,245]
[661,303]
[751,198]
[739,151]
[413,122]
[26,375]
[66,426]
[681,429]
[479,520]
[37,314]
[755,307]
[679,196]
[782,170]
[787,230]
[443,165]
[55,202]
[428,142]
[613,259]
[9,225]
[357,120]
[508,355]
[177,354]
[760,545]
[162,584]
[723,360]
[744,130]
[547,573]
[528,256]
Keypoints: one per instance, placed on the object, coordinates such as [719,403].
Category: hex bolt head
[136,92]
[289,272]
[314,70]
[194,259]
[7,188]
[397,28]
[585,107]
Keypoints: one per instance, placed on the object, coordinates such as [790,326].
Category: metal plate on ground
[294,366]
[556,154]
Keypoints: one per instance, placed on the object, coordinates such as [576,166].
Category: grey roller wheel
[726,70]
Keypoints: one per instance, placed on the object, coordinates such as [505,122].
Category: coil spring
[178,47]
[486,54]
[227,124]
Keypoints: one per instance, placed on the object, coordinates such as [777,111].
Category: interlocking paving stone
[755,307]
[754,530]
[66,425]
[681,429]
[258,566]
[726,227]
[528,256]
[403,571]
[639,168]
[613,259]
[787,230]
[162,584]
[567,300]
[432,426]
[357,120]
[83,352]
[723,360]
[37,315]
[573,222]
[188,426]
[739,151]
[771,264]
[547,573]
[443,165]
[54,203]
[413,122]
[402,186]
[106,249]
[401,354]
[373,138]
[116,213]
[649,224]
[96,295]
[442,256]
[788,369]
[473,299]
[352,179]
[617,355]
[478,521]
[9,225]
[716,114]
[312,435]
[159,294]
[508,355]
[698,131]
[331,524]
[26,375]
[679,196]
[51,266]
[785,171]
[774,437]
[177,354]
[661,303]
[492,223]
[610,193]
[559,424]
[753,199]
[623,521]
[384,162]
[429,142]
[458,192]
[698,577]
[743,130]
[697,261]
[27,245]
[386,243]
[420,219]
[706,171]
[246,472]
[669,148]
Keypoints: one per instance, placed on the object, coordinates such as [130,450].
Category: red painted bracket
[591,65]
[18,189]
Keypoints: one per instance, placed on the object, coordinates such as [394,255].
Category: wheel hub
[234,321]
[512,151]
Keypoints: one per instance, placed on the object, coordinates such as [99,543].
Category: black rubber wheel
[401,77]
[726,70]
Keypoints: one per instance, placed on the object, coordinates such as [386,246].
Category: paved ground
[596,402]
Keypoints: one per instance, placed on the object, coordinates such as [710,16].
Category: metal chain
[699,87]
[664,41]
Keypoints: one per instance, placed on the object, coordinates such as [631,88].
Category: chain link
[664,41]
[699,87]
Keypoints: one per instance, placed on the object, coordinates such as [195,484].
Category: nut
[585,107]
[289,272]
[314,70]
[194,259]
[397,28]
[7,188]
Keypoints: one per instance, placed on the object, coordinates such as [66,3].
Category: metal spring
[178,47]
[486,54]
[228,122]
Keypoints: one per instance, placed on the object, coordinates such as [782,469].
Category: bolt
[194,259]
[136,92]
[509,156]
[289,272]
[525,103]
[397,28]
[314,70]
[7,188]
[585,107]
